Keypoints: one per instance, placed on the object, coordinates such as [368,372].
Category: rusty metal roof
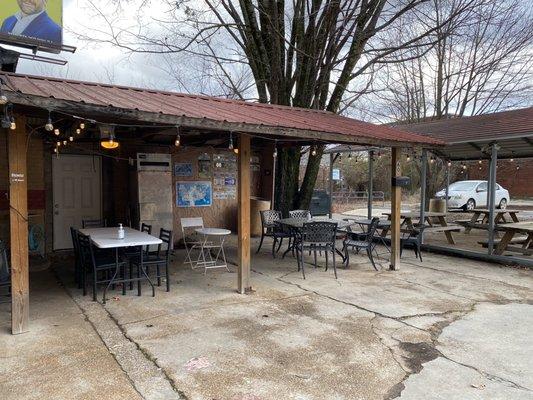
[467,137]
[210,108]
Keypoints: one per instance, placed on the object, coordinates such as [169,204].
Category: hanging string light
[408,157]
[177,142]
[432,160]
[349,156]
[3,98]
[64,142]
[71,138]
[449,163]
[12,124]
[313,151]
[275,154]
[49,126]
[82,125]
[230,146]
[78,131]
[56,132]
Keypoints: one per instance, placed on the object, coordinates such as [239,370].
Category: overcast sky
[101,63]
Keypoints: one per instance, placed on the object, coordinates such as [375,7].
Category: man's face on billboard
[31,6]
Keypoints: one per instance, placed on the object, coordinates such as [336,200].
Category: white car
[471,194]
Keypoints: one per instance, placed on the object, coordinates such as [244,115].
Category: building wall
[119,186]
[519,181]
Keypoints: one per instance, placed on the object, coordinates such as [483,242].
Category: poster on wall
[182,169]
[225,176]
[194,194]
[37,22]
[204,166]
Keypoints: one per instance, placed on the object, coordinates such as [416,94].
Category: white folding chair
[192,241]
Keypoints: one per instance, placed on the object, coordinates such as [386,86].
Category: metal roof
[467,137]
[238,115]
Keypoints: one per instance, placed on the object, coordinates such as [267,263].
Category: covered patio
[46,119]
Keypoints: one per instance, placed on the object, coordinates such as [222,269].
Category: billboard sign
[32,23]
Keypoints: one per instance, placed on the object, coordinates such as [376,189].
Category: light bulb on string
[64,142]
[408,157]
[56,132]
[449,163]
[177,141]
[275,153]
[230,146]
[78,131]
[480,162]
[350,156]
[58,143]
[82,125]
[13,124]
[236,150]
[313,151]
[71,138]
[49,126]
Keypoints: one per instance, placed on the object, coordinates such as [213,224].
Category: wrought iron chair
[130,253]
[413,239]
[93,223]
[303,214]
[96,265]
[357,242]
[5,271]
[157,259]
[271,228]
[316,236]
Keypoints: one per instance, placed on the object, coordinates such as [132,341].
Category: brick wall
[519,181]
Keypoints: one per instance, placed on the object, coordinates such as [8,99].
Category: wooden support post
[244,214]
[18,222]
[396,200]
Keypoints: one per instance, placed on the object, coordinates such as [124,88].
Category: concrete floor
[447,328]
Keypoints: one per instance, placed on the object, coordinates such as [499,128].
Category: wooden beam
[18,222]
[243,275]
[396,200]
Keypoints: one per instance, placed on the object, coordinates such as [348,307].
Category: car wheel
[470,205]
[503,204]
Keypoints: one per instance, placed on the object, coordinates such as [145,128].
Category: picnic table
[480,218]
[512,229]
[436,222]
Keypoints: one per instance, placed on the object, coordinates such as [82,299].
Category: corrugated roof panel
[207,107]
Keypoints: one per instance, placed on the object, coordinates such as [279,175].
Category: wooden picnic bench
[512,229]
[436,222]
[480,218]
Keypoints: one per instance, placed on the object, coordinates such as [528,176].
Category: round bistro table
[205,258]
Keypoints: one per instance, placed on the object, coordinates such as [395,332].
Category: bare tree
[481,63]
[300,53]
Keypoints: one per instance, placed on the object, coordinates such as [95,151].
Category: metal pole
[370,182]
[423,184]
[331,161]
[447,194]
[492,195]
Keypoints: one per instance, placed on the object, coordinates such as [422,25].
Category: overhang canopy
[201,112]
[467,138]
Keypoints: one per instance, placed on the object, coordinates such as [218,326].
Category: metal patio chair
[360,241]
[271,228]
[413,239]
[191,239]
[158,259]
[133,252]
[316,236]
[93,223]
[303,214]
[100,266]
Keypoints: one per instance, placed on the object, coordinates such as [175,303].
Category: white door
[77,189]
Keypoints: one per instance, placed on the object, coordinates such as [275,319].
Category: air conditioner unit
[154,162]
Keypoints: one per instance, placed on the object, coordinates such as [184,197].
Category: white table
[206,246]
[107,238]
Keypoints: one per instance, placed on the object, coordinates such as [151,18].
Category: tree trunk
[287,172]
[308,183]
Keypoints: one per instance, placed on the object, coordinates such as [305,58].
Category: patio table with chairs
[100,252]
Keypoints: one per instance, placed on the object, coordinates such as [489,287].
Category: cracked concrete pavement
[447,328]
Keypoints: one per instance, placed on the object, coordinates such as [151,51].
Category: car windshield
[463,186]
